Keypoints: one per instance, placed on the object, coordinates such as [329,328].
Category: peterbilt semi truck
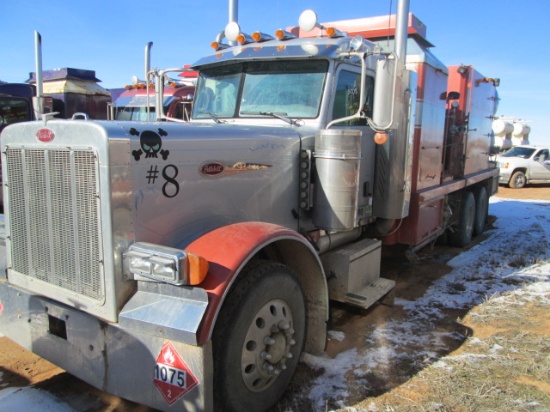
[188,266]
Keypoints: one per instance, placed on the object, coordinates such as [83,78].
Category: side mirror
[453,96]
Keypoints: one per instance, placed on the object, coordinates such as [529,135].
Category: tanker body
[187,266]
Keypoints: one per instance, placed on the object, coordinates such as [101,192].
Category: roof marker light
[261,37]
[333,32]
[218,46]
[243,38]
[284,35]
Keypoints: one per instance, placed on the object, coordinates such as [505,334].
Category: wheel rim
[267,345]
[520,180]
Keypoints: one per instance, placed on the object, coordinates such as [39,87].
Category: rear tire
[482,209]
[518,180]
[462,233]
[258,338]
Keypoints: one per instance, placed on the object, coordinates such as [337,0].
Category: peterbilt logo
[212,169]
[45,135]
[218,169]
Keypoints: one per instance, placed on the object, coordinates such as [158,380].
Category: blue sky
[501,38]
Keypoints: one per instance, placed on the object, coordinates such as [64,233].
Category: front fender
[229,248]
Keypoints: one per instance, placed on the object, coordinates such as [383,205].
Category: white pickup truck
[524,164]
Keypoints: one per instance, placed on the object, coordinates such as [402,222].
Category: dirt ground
[539,192]
[20,368]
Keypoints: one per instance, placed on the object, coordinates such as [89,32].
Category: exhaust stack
[233,11]
[38,100]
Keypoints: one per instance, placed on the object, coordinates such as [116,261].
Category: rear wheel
[462,233]
[518,180]
[482,207]
[258,338]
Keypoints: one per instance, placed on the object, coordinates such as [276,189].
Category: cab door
[540,167]
[345,103]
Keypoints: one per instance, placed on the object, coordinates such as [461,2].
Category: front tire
[518,180]
[258,338]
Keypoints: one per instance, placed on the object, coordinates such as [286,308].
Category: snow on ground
[514,258]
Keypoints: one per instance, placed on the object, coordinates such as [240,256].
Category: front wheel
[518,180]
[258,338]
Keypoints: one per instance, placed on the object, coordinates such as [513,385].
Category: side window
[346,100]
[542,155]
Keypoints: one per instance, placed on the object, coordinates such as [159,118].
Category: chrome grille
[54,217]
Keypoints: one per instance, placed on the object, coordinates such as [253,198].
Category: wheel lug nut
[276,372]
[269,341]
[266,356]
[284,325]
[289,355]
[292,342]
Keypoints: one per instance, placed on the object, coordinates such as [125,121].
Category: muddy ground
[20,368]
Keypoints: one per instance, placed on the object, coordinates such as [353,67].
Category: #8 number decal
[171,186]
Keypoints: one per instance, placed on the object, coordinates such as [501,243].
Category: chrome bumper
[123,359]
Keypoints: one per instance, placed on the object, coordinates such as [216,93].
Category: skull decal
[151,144]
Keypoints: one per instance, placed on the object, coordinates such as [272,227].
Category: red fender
[227,250]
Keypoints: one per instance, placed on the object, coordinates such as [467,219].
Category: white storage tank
[502,127]
[521,129]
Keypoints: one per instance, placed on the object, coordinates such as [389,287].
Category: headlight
[165,264]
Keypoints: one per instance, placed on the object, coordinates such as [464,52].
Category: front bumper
[122,359]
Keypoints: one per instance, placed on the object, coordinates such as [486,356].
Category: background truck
[523,165]
[138,104]
[188,266]
[66,92]
[137,101]
[16,103]
[58,92]
[74,91]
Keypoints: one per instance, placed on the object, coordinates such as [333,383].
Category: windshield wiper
[212,115]
[283,116]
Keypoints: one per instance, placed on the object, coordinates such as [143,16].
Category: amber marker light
[197,268]
[215,45]
[280,34]
[380,137]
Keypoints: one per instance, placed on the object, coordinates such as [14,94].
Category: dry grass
[502,367]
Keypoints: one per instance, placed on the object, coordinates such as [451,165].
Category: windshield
[523,152]
[252,89]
